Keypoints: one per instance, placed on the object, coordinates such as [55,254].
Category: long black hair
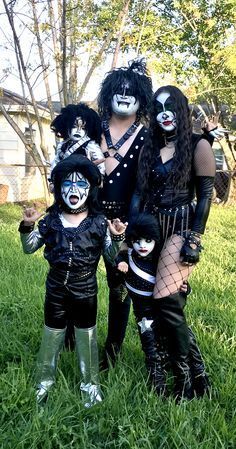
[137,76]
[182,160]
[64,122]
[81,164]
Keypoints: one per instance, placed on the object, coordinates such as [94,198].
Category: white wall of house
[23,183]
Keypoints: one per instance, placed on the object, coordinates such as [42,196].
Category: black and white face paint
[77,132]
[124,102]
[166,116]
[75,190]
[143,246]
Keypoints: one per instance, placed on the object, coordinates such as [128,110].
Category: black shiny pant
[75,302]
[118,312]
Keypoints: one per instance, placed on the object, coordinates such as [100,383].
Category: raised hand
[211,126]
[31,215]
[116,226]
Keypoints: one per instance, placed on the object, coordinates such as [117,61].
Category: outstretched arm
[31,239]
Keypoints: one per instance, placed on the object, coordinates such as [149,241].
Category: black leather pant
[118,312]
[76,301]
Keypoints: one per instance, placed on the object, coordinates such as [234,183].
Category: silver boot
[51,344]
[87,352]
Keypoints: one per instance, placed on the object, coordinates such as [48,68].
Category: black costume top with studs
[175,209]
[118,187]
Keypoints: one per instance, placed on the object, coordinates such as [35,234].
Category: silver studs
[111,182]
[117,174]
[131,156]
[142,138]
[137,147]
[125,165]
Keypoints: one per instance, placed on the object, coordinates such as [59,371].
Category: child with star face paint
[175,166]
[144,240]
[74,233]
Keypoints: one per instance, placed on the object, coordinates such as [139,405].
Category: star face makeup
[75,190]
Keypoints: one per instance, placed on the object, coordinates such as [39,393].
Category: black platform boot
[118,315]
[172,319]
[200,380]
[153,359]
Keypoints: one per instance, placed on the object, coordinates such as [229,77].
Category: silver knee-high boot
[87,352]
[51,344]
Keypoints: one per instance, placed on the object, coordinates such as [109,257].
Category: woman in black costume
[175,166]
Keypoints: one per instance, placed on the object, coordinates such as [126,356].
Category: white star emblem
[145,324]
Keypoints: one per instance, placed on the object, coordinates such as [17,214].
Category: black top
[119,186]
[74,249]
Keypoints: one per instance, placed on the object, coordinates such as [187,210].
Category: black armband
[23,229]
[118,238]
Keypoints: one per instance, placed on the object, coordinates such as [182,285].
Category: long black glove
[191,248]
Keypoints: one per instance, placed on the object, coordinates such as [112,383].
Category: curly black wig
[81,164]
[137,76]
[64,122]
[182,160]
[146,226]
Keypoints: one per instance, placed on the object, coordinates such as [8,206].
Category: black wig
[81,164]
[182,160]
[64,122]
[143,226]
[137,75]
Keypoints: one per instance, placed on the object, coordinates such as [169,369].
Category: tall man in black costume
[123,104]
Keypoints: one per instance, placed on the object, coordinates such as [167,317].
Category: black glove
[204,188]
[189,255]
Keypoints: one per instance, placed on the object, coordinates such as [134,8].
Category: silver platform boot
[87,352]
[51,344]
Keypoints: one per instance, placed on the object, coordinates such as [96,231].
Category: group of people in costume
[135,185]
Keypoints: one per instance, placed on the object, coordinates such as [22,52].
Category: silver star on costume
[145,324]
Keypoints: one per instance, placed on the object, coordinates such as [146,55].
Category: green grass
[131,416]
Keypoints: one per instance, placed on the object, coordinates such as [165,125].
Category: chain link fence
[20,183]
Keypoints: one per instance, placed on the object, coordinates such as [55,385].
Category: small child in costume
[74,234]
[80,128]
[155,330]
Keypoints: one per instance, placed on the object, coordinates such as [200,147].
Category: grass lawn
[131,416]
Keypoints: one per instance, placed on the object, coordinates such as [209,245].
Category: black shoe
[157,376]
[201,384]
[182,381]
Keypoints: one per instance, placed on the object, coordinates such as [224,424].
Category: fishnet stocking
[170,272]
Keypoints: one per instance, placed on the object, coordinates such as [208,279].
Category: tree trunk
[57,52]
[43,64]
[125,13]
